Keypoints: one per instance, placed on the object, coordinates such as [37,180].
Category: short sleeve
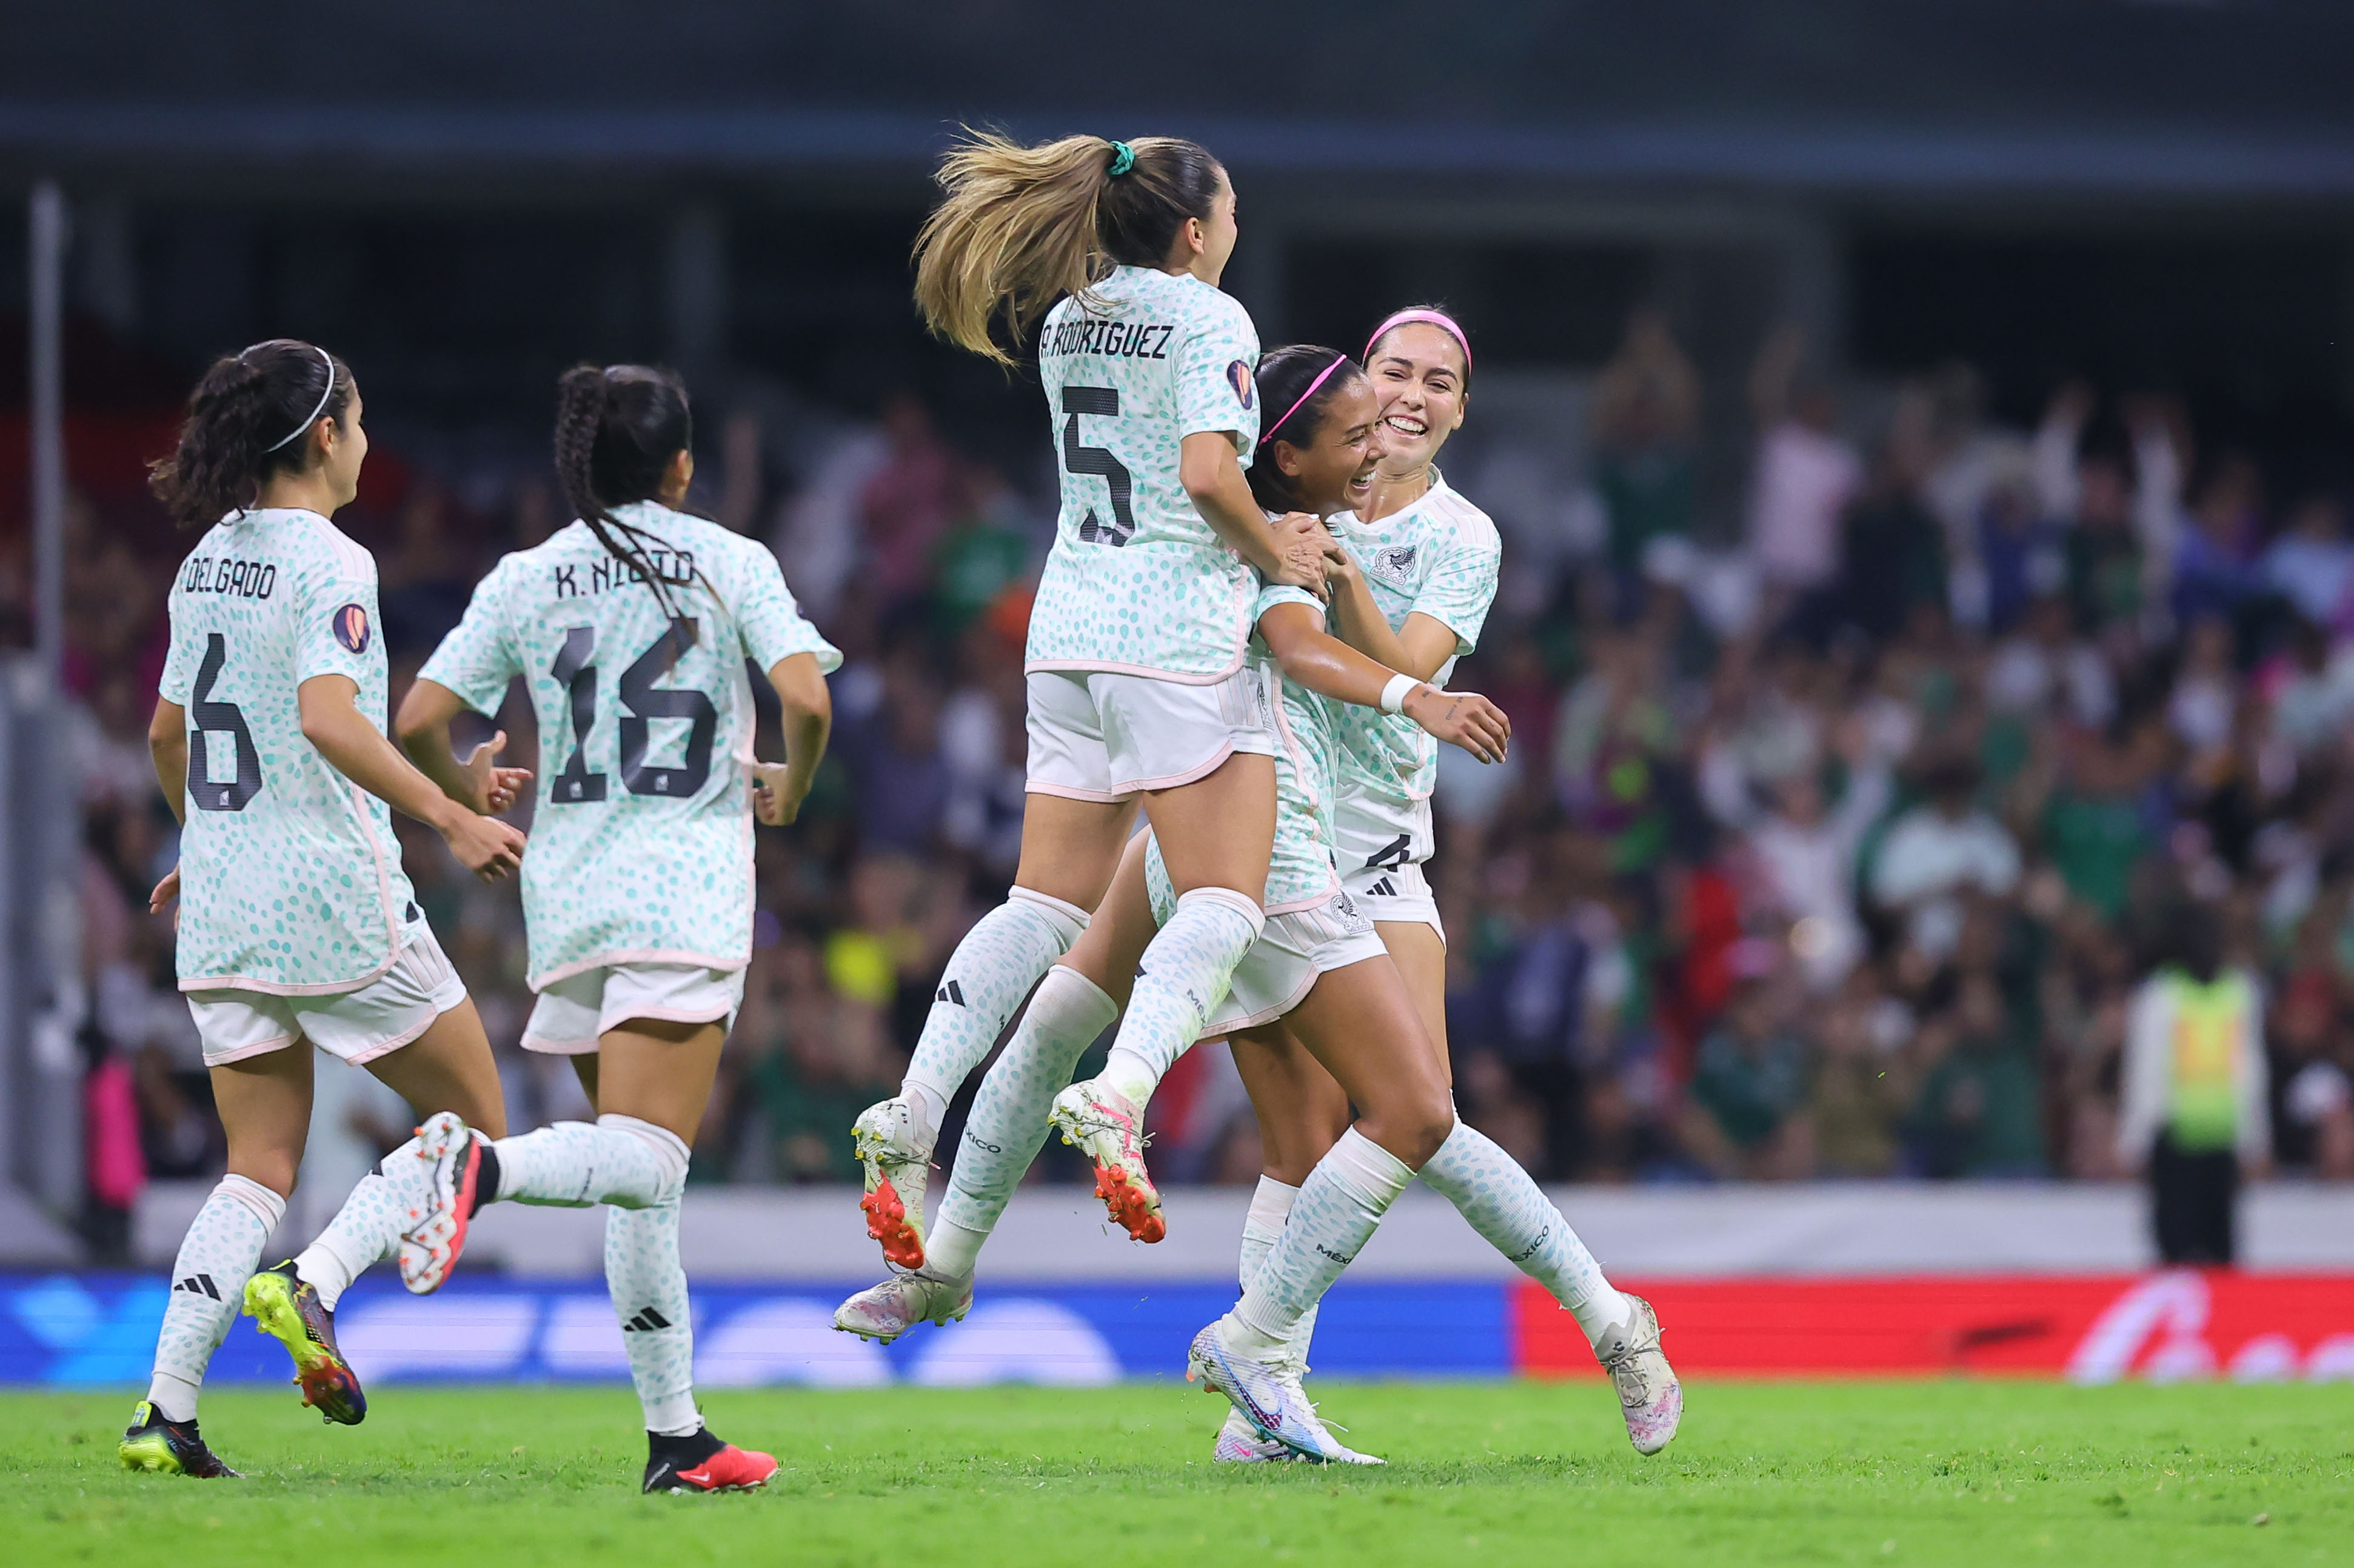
[1274,594]
[1215,365]
[476,659]
[1459,590]
[336,627]
[769,622]
[180,663]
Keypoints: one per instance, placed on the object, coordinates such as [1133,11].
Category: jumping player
[1135,663]
[632,629]
[297,926]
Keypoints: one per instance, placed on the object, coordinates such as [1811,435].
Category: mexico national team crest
[1238,376]
[352,628]
[1396,563]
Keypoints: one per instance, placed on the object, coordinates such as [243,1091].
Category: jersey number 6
[1104,402]
[641,701]
[220,719]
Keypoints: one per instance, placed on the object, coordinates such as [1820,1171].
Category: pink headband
[1438,319]
[1321,376]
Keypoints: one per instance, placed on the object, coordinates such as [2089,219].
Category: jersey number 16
[641,701]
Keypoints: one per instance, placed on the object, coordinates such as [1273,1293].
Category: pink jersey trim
[1095,667]
[637,955]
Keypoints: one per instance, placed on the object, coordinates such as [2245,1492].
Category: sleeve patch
[350,624]
[1238,376]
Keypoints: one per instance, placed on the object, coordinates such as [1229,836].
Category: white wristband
[1394,695]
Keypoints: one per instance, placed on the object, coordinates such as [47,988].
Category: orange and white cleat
[703,1464]
[897,1164]
[1101,1123]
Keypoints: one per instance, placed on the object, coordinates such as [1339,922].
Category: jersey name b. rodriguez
[1138,583]
[1441,555]
[640,845]
[290,876]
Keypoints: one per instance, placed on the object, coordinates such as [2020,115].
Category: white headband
[315,412]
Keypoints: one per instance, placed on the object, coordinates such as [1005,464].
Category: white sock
[1339,1207]
[1008,1124]
[368,1227]
[218,1255]
[1270,1205]
[1179,983]
[986,977]
[1505,1205]
[649,1290]
[622,1160]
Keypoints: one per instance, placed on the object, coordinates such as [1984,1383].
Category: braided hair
[618,431]
[248,420]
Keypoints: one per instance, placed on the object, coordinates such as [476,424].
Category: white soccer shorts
[1282,966]
[573,1013]
[360,1025]
[1381,845]
[1097,735]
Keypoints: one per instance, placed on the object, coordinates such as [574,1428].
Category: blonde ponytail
[1019,227]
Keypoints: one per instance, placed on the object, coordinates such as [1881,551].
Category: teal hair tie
[1123,158]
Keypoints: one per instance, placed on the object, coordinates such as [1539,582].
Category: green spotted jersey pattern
[642,828]
[1441,557]
[290,877]
[1301,872]
[1137,581]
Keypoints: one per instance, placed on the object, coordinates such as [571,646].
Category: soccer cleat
[1238,1445]
[1101,1124]
[889,1309]
[897,1166]
[287,1308]
[168,1447]
[1648,1394]
[1273,1405]
[702,1463]
[441,1202]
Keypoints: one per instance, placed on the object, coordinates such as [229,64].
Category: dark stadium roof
[2210,97]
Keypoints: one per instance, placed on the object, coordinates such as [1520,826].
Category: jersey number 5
[220,719]
[1103,402]
[641,701]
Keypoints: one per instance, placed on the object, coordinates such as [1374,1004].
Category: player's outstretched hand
[775,798]
[1462,718]
[165,891]
[486,846]
[495,788]
[1300,540]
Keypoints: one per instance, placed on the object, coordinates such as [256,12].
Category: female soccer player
[632,628]
[1137,684]
[1340,993]
[297,926]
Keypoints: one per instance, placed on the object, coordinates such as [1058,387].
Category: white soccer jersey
[1137,581]
[290,878]
[1440,557]
[1301,872]
[641,839]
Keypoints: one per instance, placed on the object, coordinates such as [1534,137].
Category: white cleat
[1648,1394]
[899,1165]
[1238,1445]
[887,1310]
[1271,1404]
[1099,1122]
[438,1191]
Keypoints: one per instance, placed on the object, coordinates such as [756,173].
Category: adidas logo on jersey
[199,1285]
[1385,889]
[645,1322]
[951,992]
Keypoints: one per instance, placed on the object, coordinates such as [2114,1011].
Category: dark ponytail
[249,417]
[618,431]
[1296,383]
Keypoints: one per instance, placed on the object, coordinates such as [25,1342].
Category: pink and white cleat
[1648,1394]
[434,1232]
[1100,1123]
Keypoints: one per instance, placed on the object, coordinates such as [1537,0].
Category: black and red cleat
[702,1463]
[168,1447]
[286,1307]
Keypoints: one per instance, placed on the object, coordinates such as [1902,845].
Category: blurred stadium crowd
[1837,831]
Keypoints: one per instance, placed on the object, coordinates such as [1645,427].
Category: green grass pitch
[2000,1474]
